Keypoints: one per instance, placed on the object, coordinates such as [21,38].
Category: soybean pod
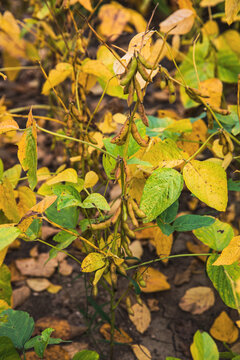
[130,73]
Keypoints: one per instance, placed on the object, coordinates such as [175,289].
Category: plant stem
[201,147]
[77,140]
[112,309]
[163,258]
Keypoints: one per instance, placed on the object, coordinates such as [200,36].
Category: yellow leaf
[163,243]
[8,62]
[230,39]
[141,317]
[3,253]
[43,174]
[141,42]
[186,4]
[44,204]
[223,329]
[7,201]
[212,88]
[25,223]
[197,300]
[154,279]
[107,126]
[69,175]
[27,199]
[119,334]
[91,179]
[3,305]
[208,182]
[206,3]
[54,289]
[136,186]
[210,28]
[232,8]
[141,352]
[57,76]
[230,254]
[113,20]
[8,124]
[85,3]
[178,23]
[217,149]
[137,20]
[199,133]
[92,262]
[119,118]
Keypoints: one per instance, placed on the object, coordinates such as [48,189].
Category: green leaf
[191,222]
[224,278]
[13,174]
[7,349]
[228,66]
[34,229]
[95,200]
[168,215]
[172,358]
[167,229]
[86,355]
[5,284]
[161,190]
[233,185]
[67,217]
[64,239]
[67,196]
[7,235]
[217,236]
[16,325]
[204,347]
[40,342]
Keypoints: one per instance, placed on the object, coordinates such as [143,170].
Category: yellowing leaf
[141,317]
[8,124]
[69,175]
[210,28]
[91,179]
[7,201]
[230,39]
[212,88]
[223,329]
[92,262]
[199,133]
[137,20]
[44,204]
[113,20]
[57,76]
[27,151]
[27,199]
[11,62]
[232,8]
[197,300]
[85,3]
[154,279]
[178,23]
[183,125]
[4,305]
[186,4]
[3,254]
[43,174]
[119,335]
[208,182]
[141,352]
[230,254]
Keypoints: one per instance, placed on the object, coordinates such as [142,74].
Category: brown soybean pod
[128,231]
[120,137]
[138,90]
[126,248]
[91,139]
[131,213]
[101,226]
[142,114]
[137,136]
[126,170]
[131,91]
[209,119]
[113,274]
[116,215]
[220,111]
[136,209]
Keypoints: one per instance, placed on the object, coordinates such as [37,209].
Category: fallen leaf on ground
[223,329]
[38,284]
[153,304]
[54,352]
[154,279]
[54,289]
[15,273]
[197,300]
[75,347]
[37,267]
[63,329]
[141,352]
[19,295]
[136,249]
[185,276]
[141,317]
[119,335]
[34,252]
[199,248]
[65,269]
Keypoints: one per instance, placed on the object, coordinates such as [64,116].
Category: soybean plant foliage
[159,162]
